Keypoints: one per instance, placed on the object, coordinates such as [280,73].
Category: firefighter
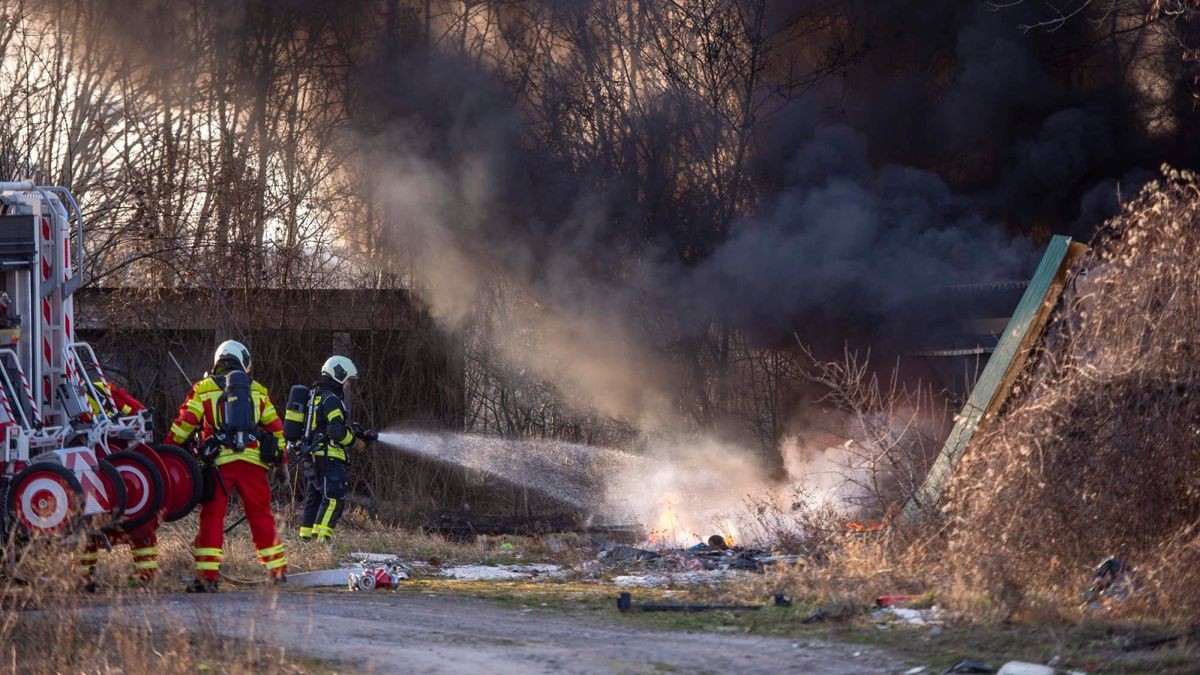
[143,543]
[331,436]
[240,438]
[125,403]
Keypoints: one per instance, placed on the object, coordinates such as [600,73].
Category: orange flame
[670,530]
[667,530]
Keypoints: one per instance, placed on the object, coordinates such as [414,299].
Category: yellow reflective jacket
[201,409]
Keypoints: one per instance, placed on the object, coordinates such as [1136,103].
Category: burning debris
[714,561]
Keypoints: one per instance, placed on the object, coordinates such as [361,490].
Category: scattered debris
[623,553]
[717,542]
[499,572]
[895,600]
[709,562]
[912,617]
[625,604]
[1112,581]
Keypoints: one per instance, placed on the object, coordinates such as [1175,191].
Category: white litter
[693,578]
[912,617]
[1022,668]
[498,572]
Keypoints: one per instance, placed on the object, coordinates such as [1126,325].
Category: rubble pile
[708,562]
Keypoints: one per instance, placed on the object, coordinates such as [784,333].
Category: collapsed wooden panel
[1024,329]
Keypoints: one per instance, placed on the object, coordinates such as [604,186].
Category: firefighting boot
[86,564]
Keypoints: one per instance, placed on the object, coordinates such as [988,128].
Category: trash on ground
[705,562]
[912,617]
[499,572]
[1113,581]
[624,553]
[895,600]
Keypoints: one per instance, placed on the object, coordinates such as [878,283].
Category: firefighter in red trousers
[240,438]
[143,543]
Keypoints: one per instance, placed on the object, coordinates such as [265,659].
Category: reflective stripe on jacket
[125,402]
[201,409]
[331,423]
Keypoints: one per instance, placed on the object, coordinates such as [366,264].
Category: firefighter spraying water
[319,428]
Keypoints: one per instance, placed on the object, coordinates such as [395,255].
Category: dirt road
[405,633]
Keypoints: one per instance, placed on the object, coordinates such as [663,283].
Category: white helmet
[235,350]
[339,368]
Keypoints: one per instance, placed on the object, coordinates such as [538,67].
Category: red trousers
[250,482]
[144,548]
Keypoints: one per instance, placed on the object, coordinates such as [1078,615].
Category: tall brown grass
[1098,450]
[1095,453]
[48,626]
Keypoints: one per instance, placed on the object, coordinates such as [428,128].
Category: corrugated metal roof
[1026,323]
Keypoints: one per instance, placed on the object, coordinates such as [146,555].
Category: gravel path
[406,633]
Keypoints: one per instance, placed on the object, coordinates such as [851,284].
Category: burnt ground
[403,632]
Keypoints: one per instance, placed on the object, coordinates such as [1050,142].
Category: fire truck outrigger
[71,465]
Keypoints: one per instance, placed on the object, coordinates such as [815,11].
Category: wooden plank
[1024,329]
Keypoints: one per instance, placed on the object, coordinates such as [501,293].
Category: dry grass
[358,531]
[48,626]
[1098,452]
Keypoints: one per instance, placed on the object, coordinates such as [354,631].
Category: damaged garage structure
[411,370]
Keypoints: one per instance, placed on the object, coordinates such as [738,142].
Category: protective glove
[368,435]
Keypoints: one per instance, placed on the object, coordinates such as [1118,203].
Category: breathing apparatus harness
[300,423]
[237,427]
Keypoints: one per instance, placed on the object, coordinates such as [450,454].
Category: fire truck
[71,464]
